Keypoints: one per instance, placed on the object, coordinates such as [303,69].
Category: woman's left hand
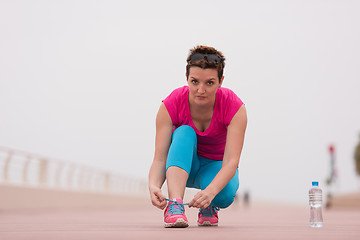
[202,199]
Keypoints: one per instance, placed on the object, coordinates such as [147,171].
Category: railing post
[58,174]
[6,167]
[107,181]
[25,170]
[70,176]
[43,172]
[81,178]
[88,179]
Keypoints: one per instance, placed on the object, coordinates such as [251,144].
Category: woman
[200,132]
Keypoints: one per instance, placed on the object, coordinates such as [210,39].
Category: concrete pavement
[146,222]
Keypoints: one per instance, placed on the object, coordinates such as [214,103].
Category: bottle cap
[315,184]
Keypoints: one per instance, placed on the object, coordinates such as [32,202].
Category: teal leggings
[183,154]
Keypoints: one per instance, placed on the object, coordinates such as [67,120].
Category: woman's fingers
[201,204]
[201,200]
[158,199]
[159,195]
[161,200]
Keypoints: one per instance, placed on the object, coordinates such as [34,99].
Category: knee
[182,148]
[184,131]
[224,199]
[227,196]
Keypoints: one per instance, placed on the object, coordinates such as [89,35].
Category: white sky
[82,81]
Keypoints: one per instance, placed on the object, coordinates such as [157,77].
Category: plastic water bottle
[315,201]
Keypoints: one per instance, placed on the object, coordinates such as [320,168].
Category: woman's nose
[201,89]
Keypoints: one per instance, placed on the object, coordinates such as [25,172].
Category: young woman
[200,132]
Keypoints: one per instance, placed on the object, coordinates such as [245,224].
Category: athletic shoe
[208,216]
[174,215]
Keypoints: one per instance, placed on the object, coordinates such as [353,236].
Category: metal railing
[32,170]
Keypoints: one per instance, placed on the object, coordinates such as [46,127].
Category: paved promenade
[145,222]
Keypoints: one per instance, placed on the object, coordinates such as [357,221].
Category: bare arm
[162,143]
[234,143]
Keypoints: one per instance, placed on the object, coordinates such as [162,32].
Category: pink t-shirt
[211,142]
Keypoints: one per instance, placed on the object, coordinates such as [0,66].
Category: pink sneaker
[174,215]
[208,216]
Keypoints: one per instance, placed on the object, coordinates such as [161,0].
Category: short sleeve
[173,104]
[232,104]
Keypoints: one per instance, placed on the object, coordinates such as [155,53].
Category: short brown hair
[204,63]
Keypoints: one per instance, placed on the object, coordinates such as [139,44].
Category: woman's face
[203,84]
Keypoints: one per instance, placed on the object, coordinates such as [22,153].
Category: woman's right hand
[157,198]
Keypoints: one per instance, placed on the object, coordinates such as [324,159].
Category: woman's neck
[201,109]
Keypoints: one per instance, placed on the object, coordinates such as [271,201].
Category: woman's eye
[210,83]
[194,81]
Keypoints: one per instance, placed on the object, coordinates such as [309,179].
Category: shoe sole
[207,224]
[180,223]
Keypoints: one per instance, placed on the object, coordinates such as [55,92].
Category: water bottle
[315,201]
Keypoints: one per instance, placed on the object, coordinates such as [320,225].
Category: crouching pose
[200,132]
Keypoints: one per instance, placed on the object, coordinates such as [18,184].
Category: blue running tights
[201,171]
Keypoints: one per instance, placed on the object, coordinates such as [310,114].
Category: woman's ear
[221,81]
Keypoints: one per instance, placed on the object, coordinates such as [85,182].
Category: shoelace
[209,212]
[176,207]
